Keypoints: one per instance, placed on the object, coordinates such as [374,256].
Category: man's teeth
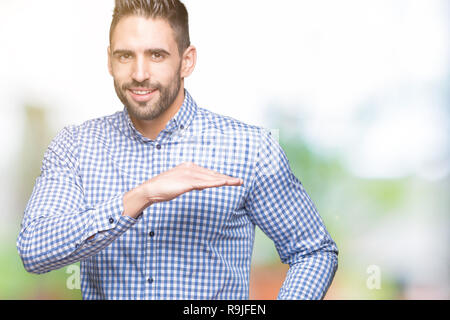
[142,92]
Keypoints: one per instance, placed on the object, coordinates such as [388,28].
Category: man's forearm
[310,278]
[135,201]
[53,241]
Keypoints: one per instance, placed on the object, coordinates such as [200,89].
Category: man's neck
[151,128]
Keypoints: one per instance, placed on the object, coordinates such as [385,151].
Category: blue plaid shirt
[197,246]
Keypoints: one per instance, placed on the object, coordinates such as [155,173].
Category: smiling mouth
[141,92]
[142,95]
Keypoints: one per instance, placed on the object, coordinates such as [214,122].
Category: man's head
[150,55]
[173,11]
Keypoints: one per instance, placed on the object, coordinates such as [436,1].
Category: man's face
[145,63]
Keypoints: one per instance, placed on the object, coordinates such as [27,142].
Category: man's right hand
[168,185]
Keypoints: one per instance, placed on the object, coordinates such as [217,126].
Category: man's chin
[146,112]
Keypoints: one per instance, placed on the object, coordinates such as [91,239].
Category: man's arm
[58,229]
[280,206]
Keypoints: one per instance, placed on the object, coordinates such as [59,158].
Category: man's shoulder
[214,121]
[93,125]
[101,121]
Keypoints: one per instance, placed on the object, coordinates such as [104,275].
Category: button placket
[158,164]
[149,218]
[152,225]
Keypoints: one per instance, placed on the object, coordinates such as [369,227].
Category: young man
[160,200]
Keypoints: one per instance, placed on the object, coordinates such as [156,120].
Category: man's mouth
[142,94]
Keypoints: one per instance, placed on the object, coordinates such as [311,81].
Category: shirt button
[111,220]
[150,280]
[158,146]
[151,234]
[181,127]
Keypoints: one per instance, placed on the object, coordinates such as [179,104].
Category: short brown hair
[173,11]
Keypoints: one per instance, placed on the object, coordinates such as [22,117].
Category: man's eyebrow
[157,50]
[121,51]
[147,51]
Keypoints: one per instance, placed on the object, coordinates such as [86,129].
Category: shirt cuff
[108,216]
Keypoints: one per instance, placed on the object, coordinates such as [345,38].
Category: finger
[235,182]
[216,174]
[220,177]
[203,184]
[210,184]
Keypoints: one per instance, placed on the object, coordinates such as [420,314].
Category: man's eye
[157,56]
[125,57]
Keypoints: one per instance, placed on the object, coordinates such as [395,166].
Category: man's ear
[109,61]
[189,60]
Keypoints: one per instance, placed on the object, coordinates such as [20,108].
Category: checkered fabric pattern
[197,246]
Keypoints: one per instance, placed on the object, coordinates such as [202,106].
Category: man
[160,201]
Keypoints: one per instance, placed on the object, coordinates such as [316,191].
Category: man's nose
[141,70]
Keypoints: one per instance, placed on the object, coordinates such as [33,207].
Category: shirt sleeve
[280,206]
[58,229]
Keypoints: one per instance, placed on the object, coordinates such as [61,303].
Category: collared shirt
[196,246]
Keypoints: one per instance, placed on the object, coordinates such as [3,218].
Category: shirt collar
[182,119]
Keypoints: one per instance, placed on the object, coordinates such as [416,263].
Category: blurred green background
[359,94]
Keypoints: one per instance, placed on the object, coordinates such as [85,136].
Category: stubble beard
[149,110]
